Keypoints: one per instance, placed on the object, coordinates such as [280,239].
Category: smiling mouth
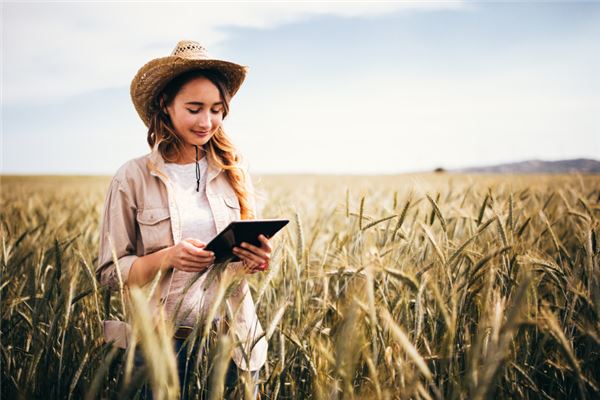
[201,133]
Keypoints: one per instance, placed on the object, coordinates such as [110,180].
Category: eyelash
[196,111]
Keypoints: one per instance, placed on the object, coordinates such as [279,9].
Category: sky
[332,87]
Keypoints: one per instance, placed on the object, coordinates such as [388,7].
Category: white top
[197,222]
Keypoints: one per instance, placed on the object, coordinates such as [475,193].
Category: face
[196,111]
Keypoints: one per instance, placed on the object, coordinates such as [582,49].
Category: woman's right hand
[189,255]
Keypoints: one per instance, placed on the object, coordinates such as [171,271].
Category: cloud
[53,50]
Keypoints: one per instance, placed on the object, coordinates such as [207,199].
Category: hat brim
[154,76]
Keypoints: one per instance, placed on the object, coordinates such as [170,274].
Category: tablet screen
[242,231]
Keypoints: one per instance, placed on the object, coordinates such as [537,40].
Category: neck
[188,155]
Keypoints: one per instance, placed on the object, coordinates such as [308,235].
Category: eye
[218,111]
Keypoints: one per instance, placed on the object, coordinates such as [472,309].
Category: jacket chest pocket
[155,228]
[232,205]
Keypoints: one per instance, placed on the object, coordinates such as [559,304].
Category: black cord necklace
[197,171]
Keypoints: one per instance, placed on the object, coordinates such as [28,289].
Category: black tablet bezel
[242,231]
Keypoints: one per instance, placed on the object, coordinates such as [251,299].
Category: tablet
[242,231]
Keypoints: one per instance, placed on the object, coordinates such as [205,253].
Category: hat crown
[190,50]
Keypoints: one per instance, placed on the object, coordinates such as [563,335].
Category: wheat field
[387,287]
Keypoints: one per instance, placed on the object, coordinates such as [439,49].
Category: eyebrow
[199,103]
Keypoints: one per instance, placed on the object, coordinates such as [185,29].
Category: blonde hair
[220,149]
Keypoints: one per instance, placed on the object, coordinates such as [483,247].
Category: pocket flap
[151,216]
[232,202]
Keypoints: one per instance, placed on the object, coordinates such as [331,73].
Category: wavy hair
[220,149]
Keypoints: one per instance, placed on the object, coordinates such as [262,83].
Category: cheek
[216,121]
[185,121]
[191,119]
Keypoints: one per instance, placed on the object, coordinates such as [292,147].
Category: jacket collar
[156,163]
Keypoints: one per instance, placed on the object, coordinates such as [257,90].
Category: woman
[162,208]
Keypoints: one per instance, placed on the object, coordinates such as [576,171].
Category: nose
[203,121]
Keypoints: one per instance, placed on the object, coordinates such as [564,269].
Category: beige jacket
[140,216]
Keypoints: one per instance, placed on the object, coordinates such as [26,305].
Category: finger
[251,261]
[264,247]
[195,242]
[265,241]
[261,267]
[205,254]
[197,259]
[190,249]
[195,251]
[256,250]
[245,254]
[248,264]
[266,244]
[196,264]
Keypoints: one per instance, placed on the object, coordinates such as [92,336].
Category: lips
[201,133]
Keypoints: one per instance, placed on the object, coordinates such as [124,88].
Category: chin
[198,141]
[202,142]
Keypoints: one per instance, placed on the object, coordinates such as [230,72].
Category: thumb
[195,242]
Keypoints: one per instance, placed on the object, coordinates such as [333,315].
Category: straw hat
[187,55]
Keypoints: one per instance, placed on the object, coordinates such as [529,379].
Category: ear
[167,109]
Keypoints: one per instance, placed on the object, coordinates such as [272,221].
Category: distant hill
[581,165]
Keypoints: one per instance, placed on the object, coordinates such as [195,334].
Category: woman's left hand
[255,258]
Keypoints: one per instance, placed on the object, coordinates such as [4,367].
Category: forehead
[199,89]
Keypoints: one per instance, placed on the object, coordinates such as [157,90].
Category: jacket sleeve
[118,234]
